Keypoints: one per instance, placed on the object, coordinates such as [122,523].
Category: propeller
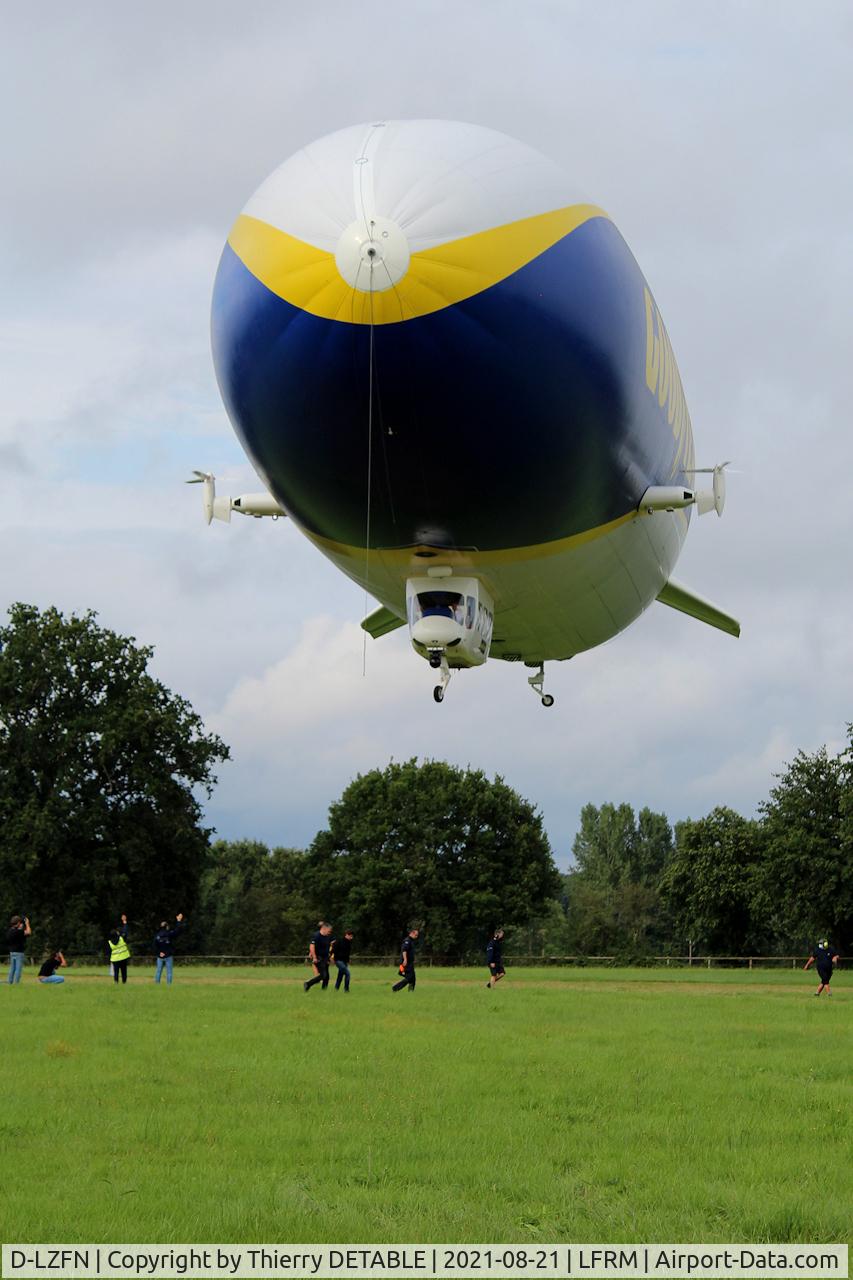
[713,499]
[209,492]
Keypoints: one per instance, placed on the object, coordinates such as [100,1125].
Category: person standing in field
[164,946]
[47,973]
[341,949]
[823,957]
[318,953]
[407,962]
[122,930]
[119,953]
[16,941]
[494,958]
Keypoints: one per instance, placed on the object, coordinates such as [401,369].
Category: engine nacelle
[450,618]
[666,497]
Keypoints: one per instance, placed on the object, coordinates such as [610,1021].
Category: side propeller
[713,499]
[208,493]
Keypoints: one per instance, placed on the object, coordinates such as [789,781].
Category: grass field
[585,1105]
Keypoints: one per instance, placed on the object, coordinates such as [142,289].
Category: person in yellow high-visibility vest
[119,955]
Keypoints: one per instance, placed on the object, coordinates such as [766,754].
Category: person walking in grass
[164,946]
[318,953]
[119,953]
[341,949]
[408,976]
[47,973]
[494,958]
[823,957]
[16,941]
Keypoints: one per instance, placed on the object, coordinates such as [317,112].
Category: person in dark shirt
[318,954]
[47,973]
[16,941]
[494,958]
[341,950]
[164,946]
[407,962]
[823,957]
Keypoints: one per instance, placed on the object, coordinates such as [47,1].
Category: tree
[710,885]
[808,873]
[612,893]
[613,847]
[590,927]
[652,848]
[604,847]
[846,834]
[432,843]
[252,900]
[99,764]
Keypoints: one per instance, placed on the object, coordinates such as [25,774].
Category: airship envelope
[449,371]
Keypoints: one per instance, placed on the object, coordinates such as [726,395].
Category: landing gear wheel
[537,683]
[438,693]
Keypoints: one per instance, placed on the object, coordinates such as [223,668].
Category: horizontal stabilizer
[380,622]
[678,597]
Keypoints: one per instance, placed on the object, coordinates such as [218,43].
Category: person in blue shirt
[823,957]
[494,958]
[164,946]
[318,954]
[407,962]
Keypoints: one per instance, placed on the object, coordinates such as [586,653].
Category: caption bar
[339,1262]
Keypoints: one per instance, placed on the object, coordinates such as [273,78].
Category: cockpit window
[441,604]
[471,612]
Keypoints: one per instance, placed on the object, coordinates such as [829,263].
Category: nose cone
[372,254]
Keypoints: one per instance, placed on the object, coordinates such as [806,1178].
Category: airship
[449,372]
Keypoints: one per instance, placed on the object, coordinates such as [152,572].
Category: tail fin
[678,597]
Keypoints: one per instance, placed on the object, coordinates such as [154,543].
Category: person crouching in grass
[119,955]
[47,973]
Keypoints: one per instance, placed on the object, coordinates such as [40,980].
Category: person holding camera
[119,952]
[16,941]
[47,973]
[164,947]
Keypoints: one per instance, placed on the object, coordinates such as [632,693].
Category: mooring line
[369,475]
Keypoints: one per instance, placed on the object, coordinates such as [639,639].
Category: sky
[717,136]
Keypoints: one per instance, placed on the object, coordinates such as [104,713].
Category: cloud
[721,151]
[327,677]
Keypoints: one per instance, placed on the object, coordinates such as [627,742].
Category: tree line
[413,840]
[101,772]
[718,885]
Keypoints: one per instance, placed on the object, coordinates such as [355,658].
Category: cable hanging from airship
[370,376]
[539,462]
